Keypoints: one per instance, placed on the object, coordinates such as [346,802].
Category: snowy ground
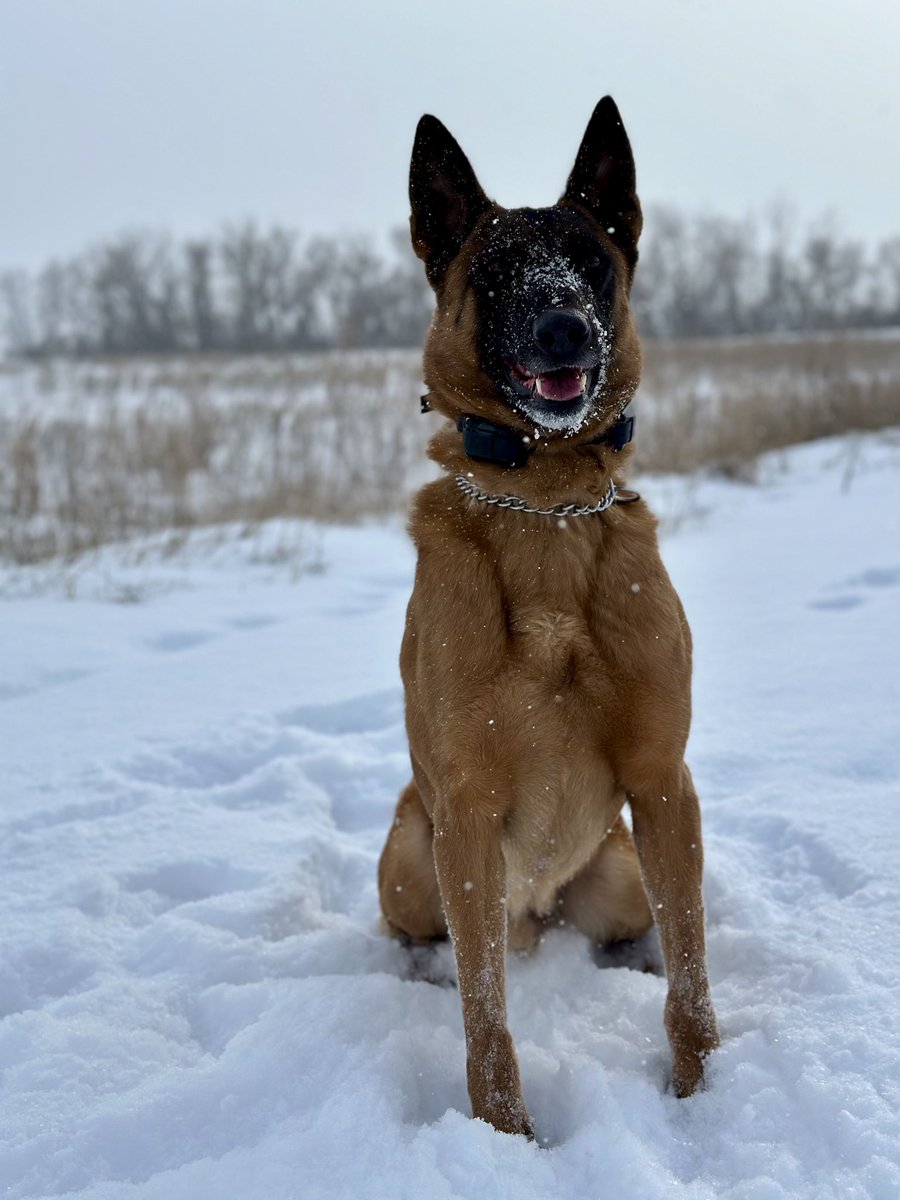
[197,1002]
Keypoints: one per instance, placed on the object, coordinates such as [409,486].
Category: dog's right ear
[445,197]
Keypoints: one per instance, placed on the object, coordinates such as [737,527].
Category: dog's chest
[550,639]
[553,641]
[549,631]
[566,797]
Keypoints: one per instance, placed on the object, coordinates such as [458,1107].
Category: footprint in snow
[877,577]
[837,603]
[254,621]
[362,714]
[798,862]
[179,639]
[248,760]
[371,593]
[47,679]
[848,593]
[192,880]
[185,639]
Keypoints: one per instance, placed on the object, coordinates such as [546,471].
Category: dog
[546,658]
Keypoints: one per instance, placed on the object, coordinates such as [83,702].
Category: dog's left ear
[603,179]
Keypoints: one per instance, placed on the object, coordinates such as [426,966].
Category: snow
[197,1001]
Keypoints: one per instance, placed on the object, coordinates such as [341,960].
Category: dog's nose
[561,332]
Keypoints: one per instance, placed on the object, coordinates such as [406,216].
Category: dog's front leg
[471,871]
[667,835]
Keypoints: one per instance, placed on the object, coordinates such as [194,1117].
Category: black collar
[485,441]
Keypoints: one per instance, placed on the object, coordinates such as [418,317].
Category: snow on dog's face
[545,289]
[532,304]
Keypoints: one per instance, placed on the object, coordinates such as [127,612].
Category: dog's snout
[561,332]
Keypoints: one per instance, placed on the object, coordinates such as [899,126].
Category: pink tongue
[561,385]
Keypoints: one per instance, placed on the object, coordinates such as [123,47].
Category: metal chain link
[516,504]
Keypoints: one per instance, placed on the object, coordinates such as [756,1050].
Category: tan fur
[547,672]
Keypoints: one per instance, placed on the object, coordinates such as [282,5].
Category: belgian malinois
[546,658]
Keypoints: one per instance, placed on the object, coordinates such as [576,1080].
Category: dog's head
[532,325]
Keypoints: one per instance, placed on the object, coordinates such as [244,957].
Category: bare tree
[259,271]
[137,295]
[251,289]
[885,282]
[830,275]
[17,306]
[204,320]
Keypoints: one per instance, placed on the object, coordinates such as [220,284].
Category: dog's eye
[598,270]
[495,267]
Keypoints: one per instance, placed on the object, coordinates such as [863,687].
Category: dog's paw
[509,1119]
[687,1078]
[494,1086]
[693,1035]
[428,962]
[523,934]
[639,954]
[689,1070]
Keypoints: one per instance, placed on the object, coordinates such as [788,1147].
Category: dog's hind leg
[606,899]
[407,882]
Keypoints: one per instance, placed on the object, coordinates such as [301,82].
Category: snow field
[197,1000]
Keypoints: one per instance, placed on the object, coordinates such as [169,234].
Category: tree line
[248,289]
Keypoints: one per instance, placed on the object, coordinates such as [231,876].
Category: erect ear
[445,197]
[602,180]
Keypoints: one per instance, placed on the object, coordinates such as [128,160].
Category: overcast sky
[181,114]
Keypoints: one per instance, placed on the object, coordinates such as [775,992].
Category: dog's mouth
[558,386]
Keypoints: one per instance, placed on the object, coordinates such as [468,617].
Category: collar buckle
[620,433]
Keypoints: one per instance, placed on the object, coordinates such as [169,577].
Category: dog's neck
[486,441]
[501,459]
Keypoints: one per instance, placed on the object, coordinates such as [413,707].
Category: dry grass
[718,405]
[128,449]
[103,451]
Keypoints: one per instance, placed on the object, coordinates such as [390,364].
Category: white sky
[181,114]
